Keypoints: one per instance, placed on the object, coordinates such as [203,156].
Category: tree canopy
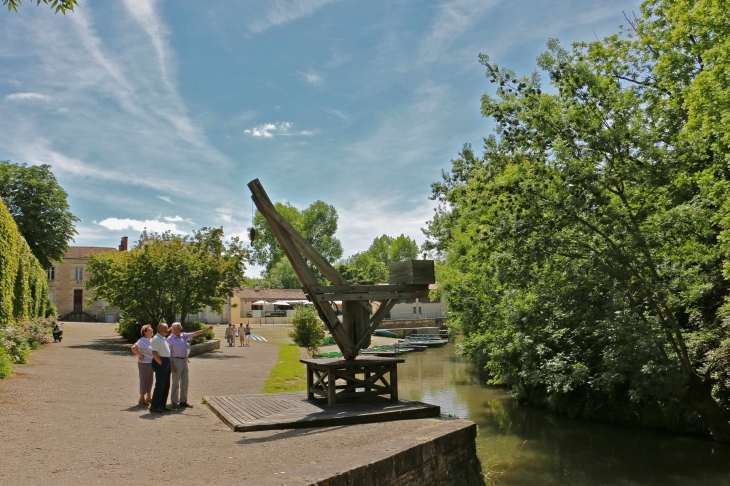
[167,275]
[39,207]
[62,6]
[584,249]
[372,264]
[317,224]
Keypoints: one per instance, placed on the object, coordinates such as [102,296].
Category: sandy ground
[71,417]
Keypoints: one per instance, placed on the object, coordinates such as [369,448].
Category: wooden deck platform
[244,413]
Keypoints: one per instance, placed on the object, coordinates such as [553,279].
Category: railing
[78,317]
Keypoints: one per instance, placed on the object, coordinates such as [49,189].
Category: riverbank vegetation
[586,250]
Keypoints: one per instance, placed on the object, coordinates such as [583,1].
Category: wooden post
[331,386]
[310,383]
[394,382]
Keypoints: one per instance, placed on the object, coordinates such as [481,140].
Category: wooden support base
[338,380]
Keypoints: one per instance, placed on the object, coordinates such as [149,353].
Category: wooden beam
[306,248]
[385,307]
[308,280]
[371,296]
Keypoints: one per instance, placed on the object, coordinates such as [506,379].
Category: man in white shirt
[162,369]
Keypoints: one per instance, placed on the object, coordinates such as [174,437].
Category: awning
[259,302]
[281,302]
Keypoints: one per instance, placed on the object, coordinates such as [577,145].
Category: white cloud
[268,130]
[454,19]
[173,219]
[279,12]
[166,199]
[335,113]
[27,97]
[311,77]
[117,224]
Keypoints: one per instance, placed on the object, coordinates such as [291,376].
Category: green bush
[197,326]
[127,330]
[308,330]
[6,363]
[23,284]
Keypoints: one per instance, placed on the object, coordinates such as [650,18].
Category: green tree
[281,276]
[168,275]
[62,6]
[372,264]
[308,329]
[40,209]
[582,250]
[317,224]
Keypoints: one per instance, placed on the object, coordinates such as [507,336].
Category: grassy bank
[289,375]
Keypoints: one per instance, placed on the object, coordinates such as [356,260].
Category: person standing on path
[178,342]
[247,332]
[231,335]
[240,334]
[143,350]
[161,367]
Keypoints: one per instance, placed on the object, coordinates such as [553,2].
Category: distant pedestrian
[247,332]
[240,334]
[178,342]
[161,367]
[231,335]
[137,329]
[142,348]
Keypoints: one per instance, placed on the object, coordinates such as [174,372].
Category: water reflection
[526,446]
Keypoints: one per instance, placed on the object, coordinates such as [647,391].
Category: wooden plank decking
[292,410]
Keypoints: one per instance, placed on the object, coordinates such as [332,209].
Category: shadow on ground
[110,345]
[288,434]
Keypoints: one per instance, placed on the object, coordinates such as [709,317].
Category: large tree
[40,209]
[317,224]
[167,275]
[584,249]
[372,264]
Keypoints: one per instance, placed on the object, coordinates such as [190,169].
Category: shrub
[127,330]
[6,363]
[197,326]
[308,330]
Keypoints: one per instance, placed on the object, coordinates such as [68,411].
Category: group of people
[166,357]
[243,333]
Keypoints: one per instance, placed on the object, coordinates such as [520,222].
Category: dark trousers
[162,382]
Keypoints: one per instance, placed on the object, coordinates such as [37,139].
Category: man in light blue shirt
[178,342]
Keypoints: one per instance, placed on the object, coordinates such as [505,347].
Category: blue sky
[157,113]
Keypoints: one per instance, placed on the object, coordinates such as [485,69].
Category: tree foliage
[584,249]
[40,208]
[308,329]
[281,276]
[62,6]
[317,224]
[23,283]
[372,264]
[167,275]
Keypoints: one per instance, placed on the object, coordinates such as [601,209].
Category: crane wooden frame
[352,333]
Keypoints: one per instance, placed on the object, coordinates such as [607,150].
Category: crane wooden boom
[358,321]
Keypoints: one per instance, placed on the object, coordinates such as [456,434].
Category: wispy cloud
[453,19]
[279,12]
[173,219]
[166,199]
[311,77]
[271,130]
[27,97]
[336,113]
[117,224]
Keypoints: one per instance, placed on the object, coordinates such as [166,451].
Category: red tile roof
[269,294]
[86,251]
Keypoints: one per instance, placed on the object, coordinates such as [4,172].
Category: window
[414,310]
[52,296]
[419,310]
[51,274]
[104,303]
[78,274]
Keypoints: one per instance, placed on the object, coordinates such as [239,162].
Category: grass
[289,375]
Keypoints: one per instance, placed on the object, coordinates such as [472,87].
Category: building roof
[269,294]
[86,251]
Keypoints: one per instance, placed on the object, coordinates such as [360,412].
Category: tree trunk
[697,394]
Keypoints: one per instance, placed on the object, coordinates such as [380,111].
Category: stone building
[67,289]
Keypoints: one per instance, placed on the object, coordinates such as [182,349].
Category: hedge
[23,284]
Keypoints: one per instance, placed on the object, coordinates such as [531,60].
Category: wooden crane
[408,280]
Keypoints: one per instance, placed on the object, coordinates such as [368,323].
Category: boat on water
[429,343]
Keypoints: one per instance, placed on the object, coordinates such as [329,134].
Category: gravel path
[71,417]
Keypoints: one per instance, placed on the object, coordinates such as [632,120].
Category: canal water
[521,445]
